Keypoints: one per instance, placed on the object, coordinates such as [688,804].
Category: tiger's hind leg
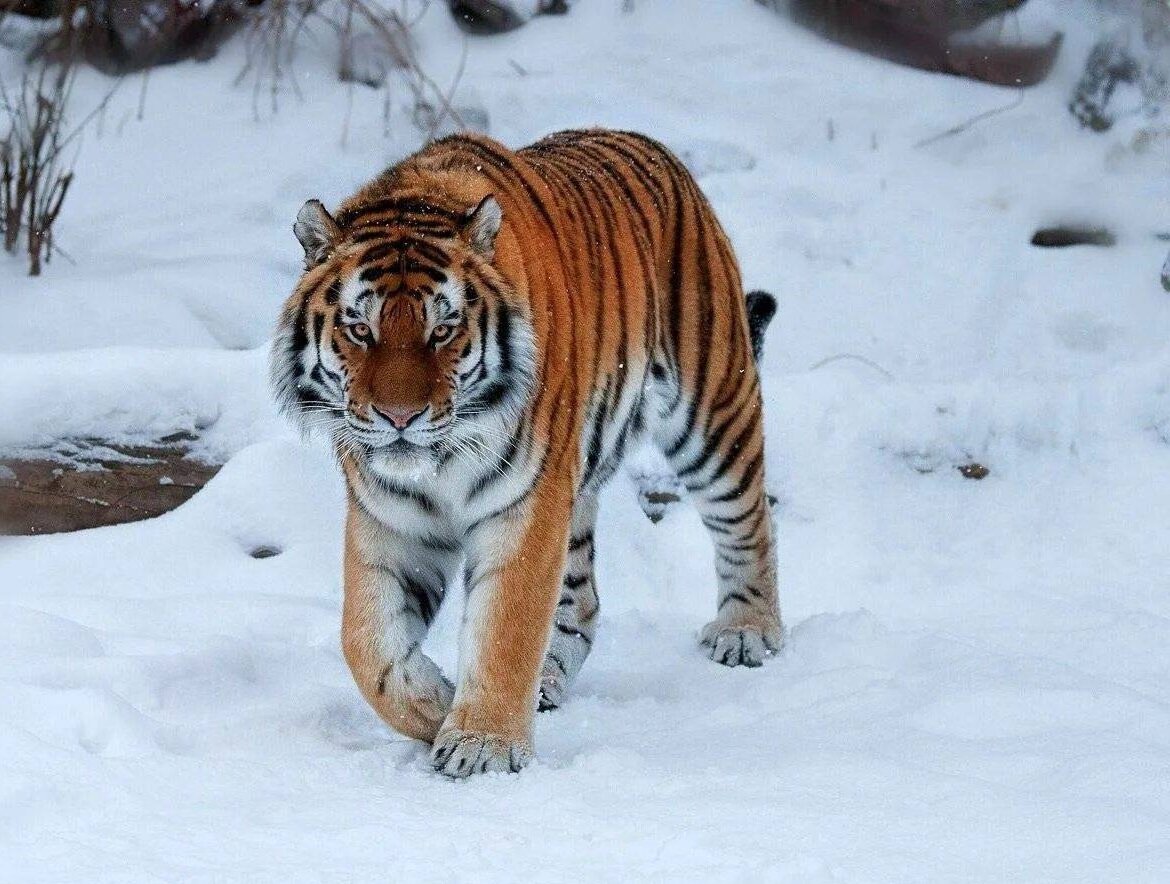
[720,460]
[575,622]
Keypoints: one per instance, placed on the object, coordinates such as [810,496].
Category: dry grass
[35,175]
[372,40]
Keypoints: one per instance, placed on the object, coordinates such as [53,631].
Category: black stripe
[732,560]
[300,335]
[430,252]
[381,250]
[688,431]
[504,337]
[516,502]
[493,394]
[387,486]
[700,260]
[711,445]
[736,596]
[729,520]
[596,153]
[575,543]
[736,450]
[490,477]
[376,271]
[750,531]
[675,280]
[397,205]
[749,475]
[595,437]
[738,547]
[505,164]
[425,596]
[645,175]
[437,543]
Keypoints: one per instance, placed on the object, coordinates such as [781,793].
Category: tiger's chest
[444,500]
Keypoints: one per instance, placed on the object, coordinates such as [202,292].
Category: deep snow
[976,683]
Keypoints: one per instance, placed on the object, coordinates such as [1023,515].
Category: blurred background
[963,210]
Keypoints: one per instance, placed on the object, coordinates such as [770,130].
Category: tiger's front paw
[458,753]
[430,702]
[740,645]
[415,697]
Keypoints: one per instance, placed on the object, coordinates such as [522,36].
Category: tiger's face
[402,346]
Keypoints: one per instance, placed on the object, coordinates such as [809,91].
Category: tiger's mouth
[402,447]
[395,442]
[401,455]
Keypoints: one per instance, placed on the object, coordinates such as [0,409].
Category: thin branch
[842,356]
[978,118]
[35,173]
[448,110]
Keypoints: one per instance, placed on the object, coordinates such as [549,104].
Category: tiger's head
[401,340]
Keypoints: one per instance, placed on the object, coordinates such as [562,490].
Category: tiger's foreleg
[575,622]
[512,592]
[393,588]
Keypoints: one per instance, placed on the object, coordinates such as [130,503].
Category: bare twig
[142,95]
[843,356]
[277,28]
[33,179]
[35,173]
[978,118]
[446,109]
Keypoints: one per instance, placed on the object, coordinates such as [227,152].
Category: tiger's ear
[317,232]
[482,224]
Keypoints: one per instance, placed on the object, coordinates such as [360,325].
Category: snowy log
[926,34]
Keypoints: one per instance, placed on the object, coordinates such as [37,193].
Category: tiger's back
[638,279]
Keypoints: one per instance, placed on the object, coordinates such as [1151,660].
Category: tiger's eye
[441,333]
[360,330]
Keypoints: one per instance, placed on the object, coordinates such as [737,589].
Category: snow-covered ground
[976,684]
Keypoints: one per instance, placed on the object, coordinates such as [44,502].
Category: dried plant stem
[35,174]
[853,356]
[278,27]
[968,123]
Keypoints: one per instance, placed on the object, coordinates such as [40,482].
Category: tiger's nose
[399,416]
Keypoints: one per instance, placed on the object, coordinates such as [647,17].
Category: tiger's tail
[761,307]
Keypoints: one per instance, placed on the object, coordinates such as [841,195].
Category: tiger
[483,334]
